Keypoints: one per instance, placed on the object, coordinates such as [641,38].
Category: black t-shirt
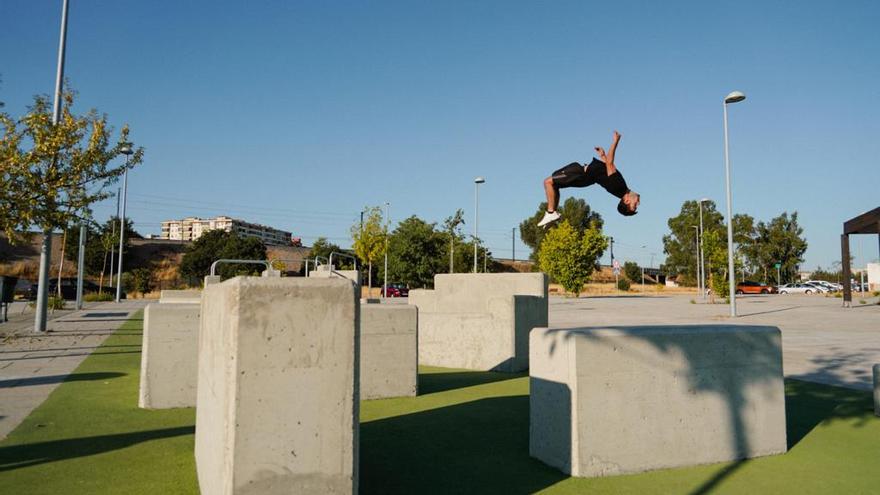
[614,183]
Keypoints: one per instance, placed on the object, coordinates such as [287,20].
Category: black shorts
[572,175]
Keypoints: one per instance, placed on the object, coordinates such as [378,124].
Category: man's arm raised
[609,163]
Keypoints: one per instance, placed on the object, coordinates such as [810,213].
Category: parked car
[798,288]
[818,288]
[749,287]
[828,286]
[68,288]
[396,290]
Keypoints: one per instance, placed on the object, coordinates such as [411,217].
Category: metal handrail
[305,261]
[344,255]
[252,262]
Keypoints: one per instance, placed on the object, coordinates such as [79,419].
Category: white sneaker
[549,218]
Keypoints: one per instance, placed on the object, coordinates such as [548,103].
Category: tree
[99,240]
[632,271]
[415,253]
[52,174]
[219,244]
[575,210]
[451,227]
[570,256]
[370,240]
[322,248]
[680,245]
[779,241]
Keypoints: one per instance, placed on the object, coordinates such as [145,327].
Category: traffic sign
[616,265]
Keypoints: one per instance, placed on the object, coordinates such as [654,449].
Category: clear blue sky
[298,114]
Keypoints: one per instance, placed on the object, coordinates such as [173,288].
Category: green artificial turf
[466,433]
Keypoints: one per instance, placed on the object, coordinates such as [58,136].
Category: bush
[877,293]
[569,256]
[52,303]
[99,296]
[632,271]
[623,284]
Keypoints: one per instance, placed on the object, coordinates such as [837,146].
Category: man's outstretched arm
[609,162]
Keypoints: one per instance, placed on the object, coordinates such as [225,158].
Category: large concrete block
[389,351]
[180,297]
[278,387]
[324,271]
[608,401]
[169,356]
[480,321]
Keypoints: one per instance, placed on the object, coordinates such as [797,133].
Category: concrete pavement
[32,365]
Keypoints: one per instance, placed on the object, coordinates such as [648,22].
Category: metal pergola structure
[866,223]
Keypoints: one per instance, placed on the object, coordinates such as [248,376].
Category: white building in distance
[191,228]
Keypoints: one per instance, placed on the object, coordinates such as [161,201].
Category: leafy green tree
[415,253]
[370,240]
[99,240]
[52,174]
[680,245]
[781,240]
[323,248]
[451,226]
[632,271]
[575,210]
[219,244]
[570,256]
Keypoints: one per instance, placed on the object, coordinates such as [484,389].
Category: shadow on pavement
[46,380]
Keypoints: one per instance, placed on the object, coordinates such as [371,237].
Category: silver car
[801,288]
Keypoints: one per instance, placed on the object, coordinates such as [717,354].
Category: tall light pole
[46,246]
[702,257]
[733,97]
[125,149]
[385,274]
[697,238]
[477,182]
[113,235]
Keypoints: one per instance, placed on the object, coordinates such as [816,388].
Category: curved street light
[733,97]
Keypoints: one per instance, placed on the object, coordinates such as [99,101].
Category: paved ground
[31,366]
[821,341]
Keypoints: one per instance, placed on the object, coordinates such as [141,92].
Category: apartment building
[191,228]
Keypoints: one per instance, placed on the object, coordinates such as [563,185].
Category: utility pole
[513,242]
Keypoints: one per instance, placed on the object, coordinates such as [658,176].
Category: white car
[828,286]
[802,288]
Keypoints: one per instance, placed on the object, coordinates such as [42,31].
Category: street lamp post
[126,150]
[697,238]
[477,182]
[702,257]
[385,273]
[733,97]
[41,314]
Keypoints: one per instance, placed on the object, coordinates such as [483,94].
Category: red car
[754,288]
[396,290]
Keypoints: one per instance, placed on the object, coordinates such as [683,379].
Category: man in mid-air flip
[601,171]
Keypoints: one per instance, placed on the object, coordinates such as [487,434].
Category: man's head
[629,203]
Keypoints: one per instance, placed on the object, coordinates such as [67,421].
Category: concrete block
[212,279]
[389,351]
[607,401]
[169,356]
[278,387]
[877,389]
[480,321]
[180,297]
[324,271]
